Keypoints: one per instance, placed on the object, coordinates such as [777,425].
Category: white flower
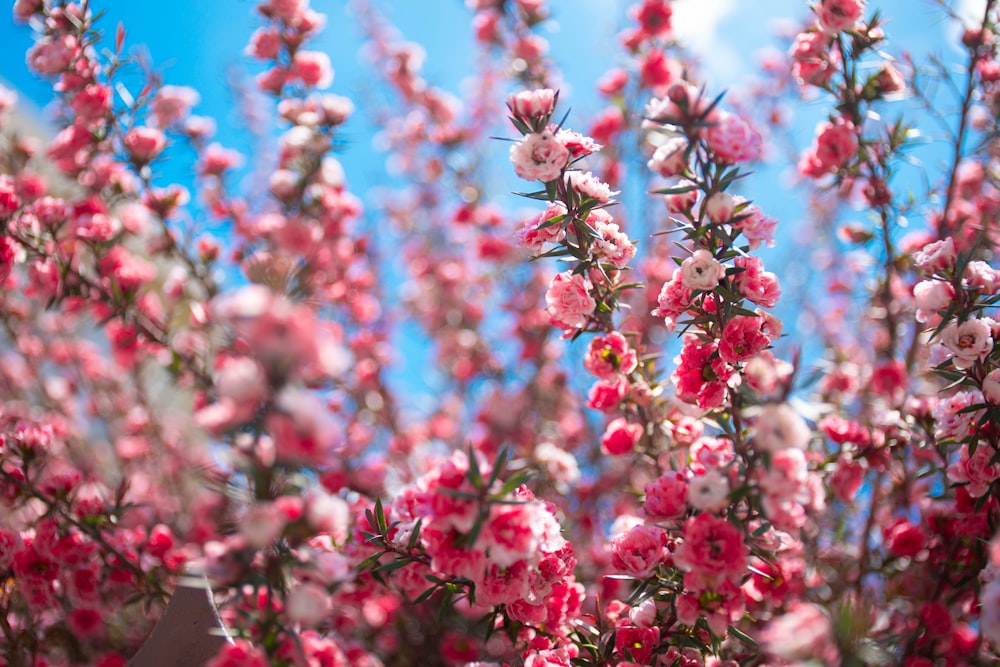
[701,271]
[779,427]
[708,492]
[969,341]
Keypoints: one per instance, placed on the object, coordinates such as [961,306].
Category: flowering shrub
[174,402]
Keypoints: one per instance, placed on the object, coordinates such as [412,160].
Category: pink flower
[890,80]
[308,604]
[265,44]
[937,256]
[532,104]
[742,338]
[701,271]
[812,62]
[240,653]
[989,616]
[638,551]
[732,139]
[969,342]
[779,427]
[577,144]
[539,157]
[612,244]
[534,233]
[569,301]
[512,533]
[666,496]
[976,470]
[9,201]
[654,19]
[701,379]
[903,538]
[804,633]
[609,356]
[589,185]
[52,55]
[836,144]
[709,491]
[931,296]
[620,437]
[216,160]
[172,104]
[669,159]
[144,143]
[312,68]
[674,299]
[837,15]
[682,201]
[634,643]
[982,275]
[991,386]
[713,548]
[756,284]
[720,207]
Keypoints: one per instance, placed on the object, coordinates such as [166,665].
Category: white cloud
[697,25]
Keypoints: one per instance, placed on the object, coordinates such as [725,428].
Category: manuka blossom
[539,157]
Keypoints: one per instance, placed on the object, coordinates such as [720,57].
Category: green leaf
[742,636]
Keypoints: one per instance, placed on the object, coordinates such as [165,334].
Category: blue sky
[200,42]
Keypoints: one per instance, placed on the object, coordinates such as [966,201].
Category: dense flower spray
[173,402]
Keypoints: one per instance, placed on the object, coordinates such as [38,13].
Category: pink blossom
[982,275]
[666,496]
[539,157]
[733,140]
[635,643]
[931,296]
[713,548]
[968,342]
[720,207]
[312,68]
[837,15]
[669,159]
[890,80]
[682,201]
[937,256]
[639,550]
[612,244]
[756,284]
[709,491]
[569,301]
[577,144]
[607,395]
[239,653]
[589,185]
[804,633]
[144,143]
[701,271]
[742,339]
[654,18]
[674,299]
[534,234]
[265,44]
[532,104]
[836,144]
[975,470]
[610,355]
[53,55]
[991,386]
[701,379]
[172,104]
[779,427]
[620,437]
